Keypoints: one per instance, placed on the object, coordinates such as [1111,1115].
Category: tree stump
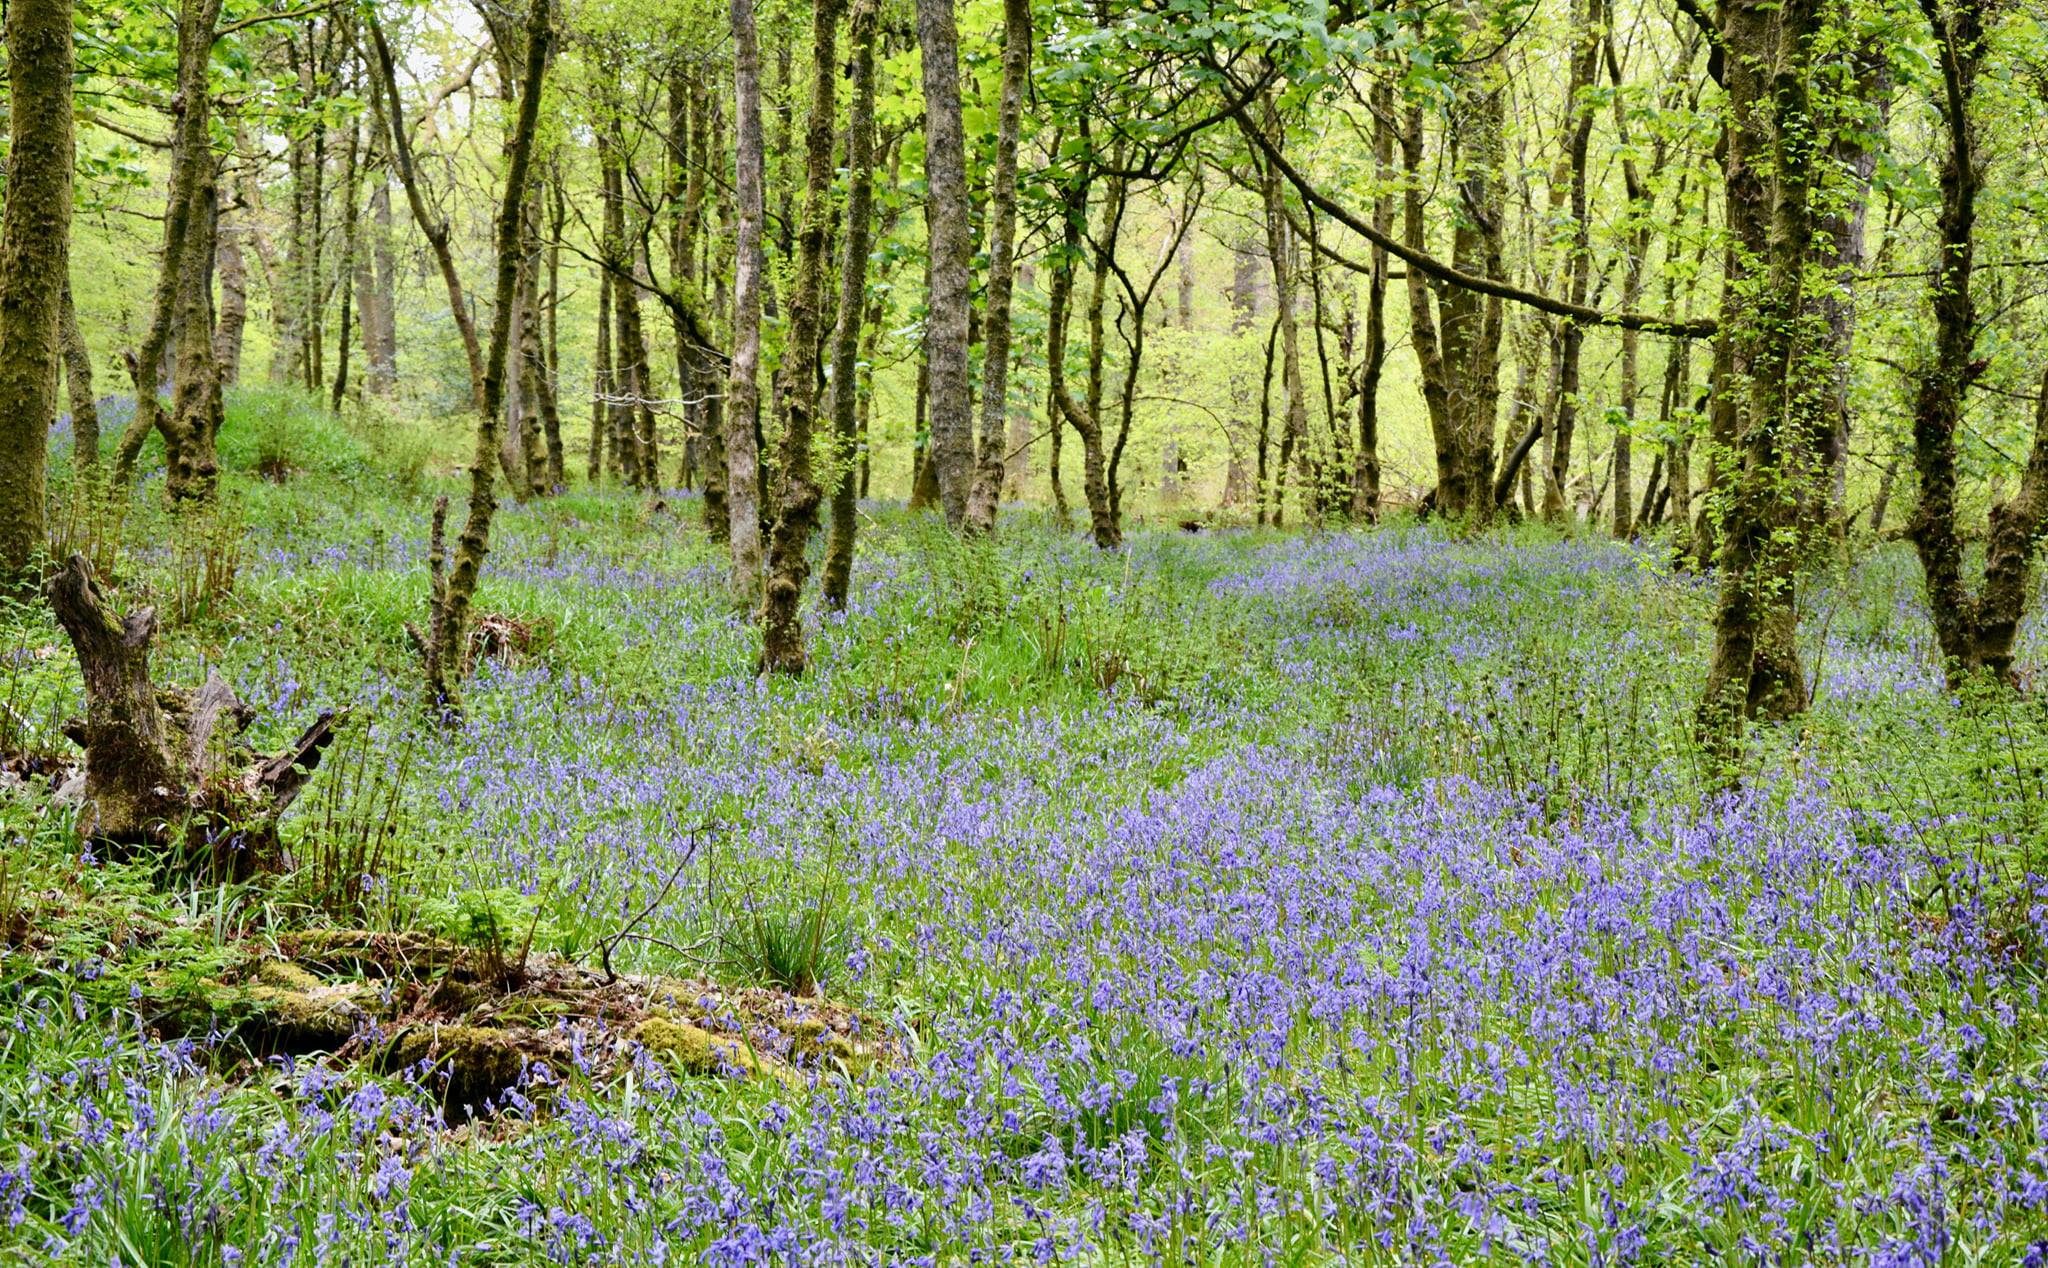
[164,771]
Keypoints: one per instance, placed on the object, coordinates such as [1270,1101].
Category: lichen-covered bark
[980,515]
[951,251]
[743,391]
[35,241]
[191,462]
[796,492]
[853,303]
[442,645]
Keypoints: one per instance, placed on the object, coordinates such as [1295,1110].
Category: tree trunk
[980,515]
[1279,252]
[951,250]
[378,302]
[85,408]
[234,301]
[352,190]
[600,378]
[191,465]
[1365,482]
[1085,419]
[1579,258]
[35,244]
[1755,671]
[191,162]
[1471,321]
[743,394]
[1422,328]
[796,491]
[435,231]
[452,586]
[853,303]
[1975,632]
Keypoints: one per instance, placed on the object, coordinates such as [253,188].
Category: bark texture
[162,773]
[1975,631]
[1755,670]
[853,304]
[35,242]
[743,393]
[980,515]
[796,491]
[951,250]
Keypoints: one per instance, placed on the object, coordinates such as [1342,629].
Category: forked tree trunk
[1085,418]
[163,773]
[436,231]
[1975,632]
[191,164]
[1293,392]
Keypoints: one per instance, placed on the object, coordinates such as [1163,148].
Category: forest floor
[1238,897]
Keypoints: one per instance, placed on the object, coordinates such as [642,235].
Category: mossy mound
[474,1027]
[474,1066]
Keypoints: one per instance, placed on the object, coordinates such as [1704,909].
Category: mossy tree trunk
[1974,631]
[85,409]
[190,430]
[35,243]
[443,643]
[796,490]
[191,173]
[980,514]
[1755,670]
[743,391]
[853,304]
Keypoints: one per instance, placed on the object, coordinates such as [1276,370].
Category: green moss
[693,1049]
[477,1062]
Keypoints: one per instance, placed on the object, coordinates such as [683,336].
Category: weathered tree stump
[164,771]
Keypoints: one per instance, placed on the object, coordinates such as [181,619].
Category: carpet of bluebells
[1236,898]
